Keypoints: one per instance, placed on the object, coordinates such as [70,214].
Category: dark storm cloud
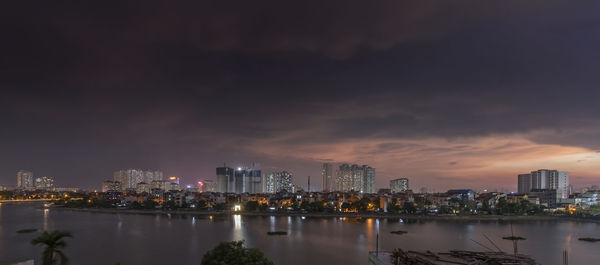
[187,85]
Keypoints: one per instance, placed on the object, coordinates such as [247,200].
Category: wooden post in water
[377,245]
[512,234]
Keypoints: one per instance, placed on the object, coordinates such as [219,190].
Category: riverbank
[498,218]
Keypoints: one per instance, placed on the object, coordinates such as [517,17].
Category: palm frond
[63,258]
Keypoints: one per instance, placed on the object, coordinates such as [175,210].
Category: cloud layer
[443,92]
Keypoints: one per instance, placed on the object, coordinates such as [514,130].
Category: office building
[326,173]
[24,179]
[399,185]
[225,179]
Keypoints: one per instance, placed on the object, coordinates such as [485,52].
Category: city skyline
[446,94]
[346,178]
[299,132]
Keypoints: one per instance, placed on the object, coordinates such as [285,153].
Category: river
[106,238]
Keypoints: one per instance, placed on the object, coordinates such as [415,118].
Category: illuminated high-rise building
[399,185]
[129,178]
[110,185]
[355,178]
[269,183]
[164,185]
[368,179]
[283,181]
[545,179]
[326,173]
[44,183]
[142,187]
[24,179]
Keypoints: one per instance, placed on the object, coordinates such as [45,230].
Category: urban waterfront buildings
[269,183]
[239,180]
[24,179]
[207,186]
[225,179]
[399,185]
[44,183]
[278,181]
[548,197]
[166,185]
[348,178]
[327,173]
[524,183]
[355,178]
[110,185]
[545,179]
[129,178]
[248,180]
[142,187]
[283,181]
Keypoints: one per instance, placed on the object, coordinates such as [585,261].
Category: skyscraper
[248,180]
[326,173]
[269,183]
[283,181]
[368,185]
[399,185]
[225,179]
[129,178]
[24,179]
[524,183]
[355,178]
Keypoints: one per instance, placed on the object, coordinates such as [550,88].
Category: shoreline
[497,218]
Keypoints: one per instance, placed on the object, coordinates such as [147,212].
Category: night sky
[450,94]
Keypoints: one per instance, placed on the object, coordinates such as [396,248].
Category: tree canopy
[54,245]
[233,253]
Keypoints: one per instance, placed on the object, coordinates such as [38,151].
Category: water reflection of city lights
[237,227]
[45,225]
